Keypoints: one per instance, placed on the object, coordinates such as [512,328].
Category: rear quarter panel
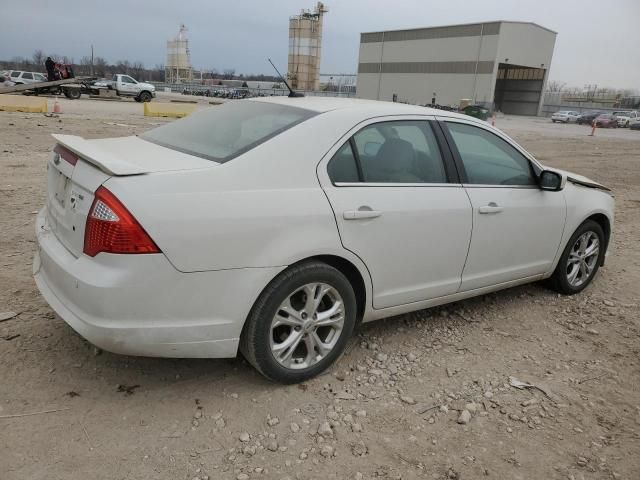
[262,209]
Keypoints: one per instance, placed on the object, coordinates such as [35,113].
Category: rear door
[400,208]
[517,227]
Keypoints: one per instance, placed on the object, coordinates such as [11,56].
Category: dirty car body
[184,241]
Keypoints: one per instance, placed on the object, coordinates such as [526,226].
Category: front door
[398,208]
[517,227]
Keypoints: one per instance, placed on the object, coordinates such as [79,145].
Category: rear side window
[15,74]
[224,132]
[343,166]
[488,159]
[405,152]
[27,76]
[391,152]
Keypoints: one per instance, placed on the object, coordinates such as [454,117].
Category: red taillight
[112,229]
[66,154]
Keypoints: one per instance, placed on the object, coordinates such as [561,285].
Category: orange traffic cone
[56,107]
[593,129]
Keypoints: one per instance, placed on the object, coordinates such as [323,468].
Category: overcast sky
[598,41]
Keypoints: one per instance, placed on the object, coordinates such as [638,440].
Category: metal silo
[178,67]
[305,43]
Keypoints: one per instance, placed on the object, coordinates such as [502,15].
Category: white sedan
[565,116]
[274,226]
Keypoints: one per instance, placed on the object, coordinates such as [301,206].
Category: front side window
[392,152]
[126,79]
[488,159]
[229,130]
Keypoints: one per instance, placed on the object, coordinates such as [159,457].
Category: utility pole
[92,60]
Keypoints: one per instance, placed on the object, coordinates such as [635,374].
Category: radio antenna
[291,92]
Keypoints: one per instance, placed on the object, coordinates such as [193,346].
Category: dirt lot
[392,403]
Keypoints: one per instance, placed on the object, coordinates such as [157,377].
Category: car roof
[326,104]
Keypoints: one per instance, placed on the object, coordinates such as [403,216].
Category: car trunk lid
[78,167]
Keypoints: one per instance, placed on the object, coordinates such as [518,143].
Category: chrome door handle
[361,213]
[491,208]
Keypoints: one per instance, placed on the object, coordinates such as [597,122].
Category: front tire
[580,260]
[300,324]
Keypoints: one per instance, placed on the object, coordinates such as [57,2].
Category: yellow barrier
[22,103]
[154,109]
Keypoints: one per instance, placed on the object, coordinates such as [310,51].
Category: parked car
[606,120]
[565,116]
[588,117]
[635,125]
[20,77]
[625,119]
[4,80]
[477,111]
[274,225]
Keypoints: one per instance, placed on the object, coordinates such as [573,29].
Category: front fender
[583,203]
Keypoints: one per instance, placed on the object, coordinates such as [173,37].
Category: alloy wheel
[583,259]
[307,326]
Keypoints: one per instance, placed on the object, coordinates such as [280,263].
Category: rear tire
[576,269]
[144,97]
[72,93]
[293,348]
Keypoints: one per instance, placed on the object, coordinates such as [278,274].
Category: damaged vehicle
[273,226]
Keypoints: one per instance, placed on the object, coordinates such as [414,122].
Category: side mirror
[550,180]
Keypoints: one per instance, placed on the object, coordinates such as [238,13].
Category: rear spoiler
[95,155]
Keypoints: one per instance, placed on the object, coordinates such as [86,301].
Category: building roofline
[463,25]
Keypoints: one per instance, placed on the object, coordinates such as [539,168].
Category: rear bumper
[142,305]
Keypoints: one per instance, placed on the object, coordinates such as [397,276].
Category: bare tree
[85,65]
[99,66]
[229,73]
[38,58]
[556,86]
[137,69]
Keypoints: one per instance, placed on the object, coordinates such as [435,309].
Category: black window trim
[451,172]
[460,165]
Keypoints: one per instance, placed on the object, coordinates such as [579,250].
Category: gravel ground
[425,395]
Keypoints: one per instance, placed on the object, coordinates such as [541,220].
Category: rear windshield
[224,132]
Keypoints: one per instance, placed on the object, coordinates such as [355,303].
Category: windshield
[229,130]
[621,114]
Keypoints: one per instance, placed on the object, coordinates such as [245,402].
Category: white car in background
[20,77]
[626,119]
[565,116]
[275,225]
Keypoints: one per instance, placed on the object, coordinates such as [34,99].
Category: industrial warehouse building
[502,65]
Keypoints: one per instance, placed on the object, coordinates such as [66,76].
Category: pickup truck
[126,86]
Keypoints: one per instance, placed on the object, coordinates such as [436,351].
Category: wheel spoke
[593,249]
[284,350]
[312,355]
[292,317]
[571,276]
[584,240]
[333,316]
[584,272]
[315,293]
[324,348]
